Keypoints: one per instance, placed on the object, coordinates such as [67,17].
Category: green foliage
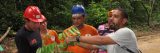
[9,16]
[96,14]
[58,12]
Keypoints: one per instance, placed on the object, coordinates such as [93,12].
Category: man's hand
[70,39]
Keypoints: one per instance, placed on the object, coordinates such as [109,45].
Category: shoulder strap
[125,48]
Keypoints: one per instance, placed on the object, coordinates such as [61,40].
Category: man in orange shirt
[48,36]
[78,19]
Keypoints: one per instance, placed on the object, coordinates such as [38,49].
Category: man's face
[33,25]
[77,20]
[115,20]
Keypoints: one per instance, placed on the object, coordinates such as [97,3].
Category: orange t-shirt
[50,37]
[86,30]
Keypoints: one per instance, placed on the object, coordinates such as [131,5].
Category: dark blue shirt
[28,41]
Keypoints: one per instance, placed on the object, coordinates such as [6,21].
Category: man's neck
[27,28]
[121,26]
[80,26]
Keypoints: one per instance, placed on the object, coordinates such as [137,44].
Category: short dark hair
[123,12]
[25,19]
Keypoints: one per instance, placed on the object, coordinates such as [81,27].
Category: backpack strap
[125,48]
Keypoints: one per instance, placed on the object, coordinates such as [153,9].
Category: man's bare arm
[98,40]
[87,46]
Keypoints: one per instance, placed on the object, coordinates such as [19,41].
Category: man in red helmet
[28,38]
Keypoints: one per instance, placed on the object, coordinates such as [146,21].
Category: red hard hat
[33,14]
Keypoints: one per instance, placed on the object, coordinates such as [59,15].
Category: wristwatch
[77,38]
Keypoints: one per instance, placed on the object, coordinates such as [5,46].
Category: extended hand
[70,39]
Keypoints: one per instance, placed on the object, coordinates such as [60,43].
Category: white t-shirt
[123,37]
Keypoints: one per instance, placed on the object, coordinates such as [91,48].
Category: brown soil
[148,42]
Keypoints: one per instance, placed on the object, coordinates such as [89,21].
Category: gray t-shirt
[123,37]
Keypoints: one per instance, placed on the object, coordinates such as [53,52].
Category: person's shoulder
[89,26]
[102,25]
[20,32]
[125,30]
[50,30]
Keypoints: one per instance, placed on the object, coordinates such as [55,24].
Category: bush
[96,14]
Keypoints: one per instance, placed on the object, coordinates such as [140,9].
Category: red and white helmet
[33,14]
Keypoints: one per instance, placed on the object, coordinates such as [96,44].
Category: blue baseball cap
[78,9]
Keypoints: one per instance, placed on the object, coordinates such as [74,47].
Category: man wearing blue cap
[78,19]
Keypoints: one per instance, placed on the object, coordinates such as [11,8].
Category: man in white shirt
[123,40]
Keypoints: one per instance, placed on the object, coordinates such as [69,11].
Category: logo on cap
[77,15]
[38,16]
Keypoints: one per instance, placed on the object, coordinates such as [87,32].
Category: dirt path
[149,43]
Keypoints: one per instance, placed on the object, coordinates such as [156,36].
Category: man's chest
[34,39]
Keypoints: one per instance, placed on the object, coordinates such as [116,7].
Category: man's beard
[114,27]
